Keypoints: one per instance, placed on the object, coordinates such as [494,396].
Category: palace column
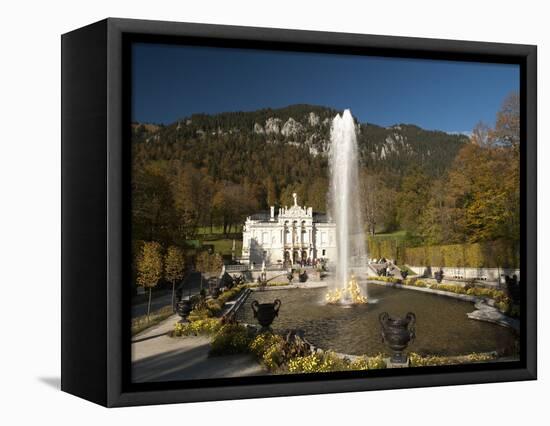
[310,245]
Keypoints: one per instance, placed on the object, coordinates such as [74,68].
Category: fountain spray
[345,209]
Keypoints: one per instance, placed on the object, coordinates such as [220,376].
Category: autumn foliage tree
[149,268]
[478,200]
[215,170]
[379,203]
[174,268]
[208,262]
[412,198]
[152,204]
[507,127]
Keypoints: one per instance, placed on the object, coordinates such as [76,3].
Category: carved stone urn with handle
[184,308]
[397,333]
[265,313]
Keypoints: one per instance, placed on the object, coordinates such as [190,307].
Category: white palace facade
[292,235]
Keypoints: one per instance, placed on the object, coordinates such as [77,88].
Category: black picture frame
[96,226]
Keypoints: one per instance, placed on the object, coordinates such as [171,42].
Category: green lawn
[143,322]
[397,235]
[205,230]
[224,245]
[406,268]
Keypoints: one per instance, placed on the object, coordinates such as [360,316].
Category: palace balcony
[297,246]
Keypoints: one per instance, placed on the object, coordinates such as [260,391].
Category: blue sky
[171,82]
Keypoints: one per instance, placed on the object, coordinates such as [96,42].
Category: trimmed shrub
[213,307]
[491,254]
[269,348]
[200,313]
[230,339]
[274,355]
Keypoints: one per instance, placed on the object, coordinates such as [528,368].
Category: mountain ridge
[307,127]
[285,110]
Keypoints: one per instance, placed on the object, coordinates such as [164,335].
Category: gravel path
[158,357]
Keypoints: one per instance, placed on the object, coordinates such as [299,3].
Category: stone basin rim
[341,355]
[480,303]
[482,311]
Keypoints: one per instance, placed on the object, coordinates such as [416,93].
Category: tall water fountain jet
[345,210]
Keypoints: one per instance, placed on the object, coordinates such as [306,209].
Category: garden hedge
[493,254]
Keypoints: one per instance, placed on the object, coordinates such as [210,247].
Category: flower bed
[272,350]
[417,360]
[230,339]
[195,328]
[328,361]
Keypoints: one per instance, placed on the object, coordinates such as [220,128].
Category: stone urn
[265,313]
[184,308]
[215,292]
[397,333]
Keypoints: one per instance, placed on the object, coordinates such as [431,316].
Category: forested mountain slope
[214,170]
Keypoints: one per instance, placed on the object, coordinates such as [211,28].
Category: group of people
[305,262]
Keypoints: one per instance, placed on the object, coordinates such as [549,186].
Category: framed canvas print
[253,212]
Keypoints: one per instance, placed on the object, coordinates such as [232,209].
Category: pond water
[442,325]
